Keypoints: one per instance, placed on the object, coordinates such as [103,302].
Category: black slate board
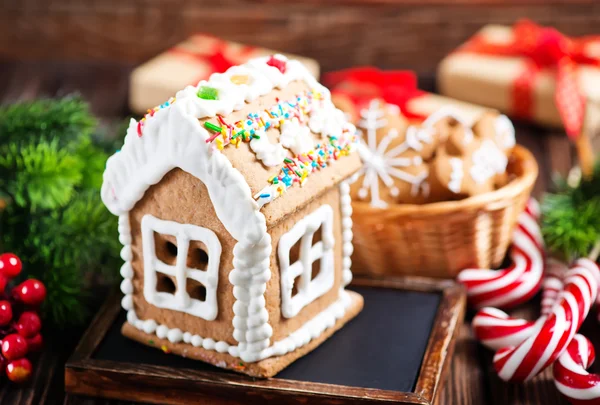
[381,348]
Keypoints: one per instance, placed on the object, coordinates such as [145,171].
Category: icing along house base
[234,213]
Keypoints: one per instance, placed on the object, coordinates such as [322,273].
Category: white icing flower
[488,161]
[328,121]
[296,137]
[271,154]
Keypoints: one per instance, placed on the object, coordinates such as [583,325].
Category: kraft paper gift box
[352,89]
[195,59]
[516,70]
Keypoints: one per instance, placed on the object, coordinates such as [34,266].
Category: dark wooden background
[50,48]
[412,34]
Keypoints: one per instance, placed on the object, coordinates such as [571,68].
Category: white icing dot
[131,317]
[362,193]
[174,335]
[127,302]
[221,347]
[196,341]
[126,270]
[394,192]
[149,326]
[208,344]
[126,254]
[187,337]
[126,286]
[162,331]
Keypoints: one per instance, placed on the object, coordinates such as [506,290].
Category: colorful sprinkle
[208,93]
[212,127]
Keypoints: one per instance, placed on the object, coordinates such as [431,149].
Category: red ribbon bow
[363,84]
[544,48]
[216,58]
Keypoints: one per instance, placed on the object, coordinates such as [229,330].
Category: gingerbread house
[234,213]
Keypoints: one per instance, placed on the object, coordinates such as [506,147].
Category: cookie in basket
[439,160]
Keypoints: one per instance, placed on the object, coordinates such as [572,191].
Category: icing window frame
[308,288]
[180,300]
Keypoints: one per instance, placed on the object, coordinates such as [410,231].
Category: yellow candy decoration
[239,79]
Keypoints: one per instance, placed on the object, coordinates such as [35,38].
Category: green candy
[208,93]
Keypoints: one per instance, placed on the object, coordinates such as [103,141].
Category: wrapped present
[529,72]
[195,59]
[353,89]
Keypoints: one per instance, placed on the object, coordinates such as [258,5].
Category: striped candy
[570,377]
[495,329]
[518,283]
[552,334]
[552,284]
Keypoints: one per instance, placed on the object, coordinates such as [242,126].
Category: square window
[306,261]
[181,267]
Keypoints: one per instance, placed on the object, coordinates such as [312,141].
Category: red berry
[3,283]
[29,324]
[6,313]
[30,292]
[14,347]
[3,363]
[18,370]
[35,343]
[10,265]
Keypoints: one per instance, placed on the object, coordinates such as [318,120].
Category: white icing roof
[174,137]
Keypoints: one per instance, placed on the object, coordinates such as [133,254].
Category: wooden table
[471,379]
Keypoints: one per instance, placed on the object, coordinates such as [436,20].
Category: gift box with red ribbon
[529,72]
[353,89]
[195,59]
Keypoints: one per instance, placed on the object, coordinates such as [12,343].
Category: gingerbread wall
[182,198]
[282,326]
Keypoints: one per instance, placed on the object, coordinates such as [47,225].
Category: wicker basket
[440,239]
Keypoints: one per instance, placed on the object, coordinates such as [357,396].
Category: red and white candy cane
[571,377]
[518,283]
[495,329]
[552,334]
[552,283]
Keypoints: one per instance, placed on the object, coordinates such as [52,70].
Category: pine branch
[40,175]
[571,218]
[51,169]
[66,120]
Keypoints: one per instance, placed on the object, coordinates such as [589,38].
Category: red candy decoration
[35,343]
[29,324]
[14,347]
[277,63]
[18,370]
[6,313]
[10,265]
[30,292]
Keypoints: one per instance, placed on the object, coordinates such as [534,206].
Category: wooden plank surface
[471,379]
[396,34]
